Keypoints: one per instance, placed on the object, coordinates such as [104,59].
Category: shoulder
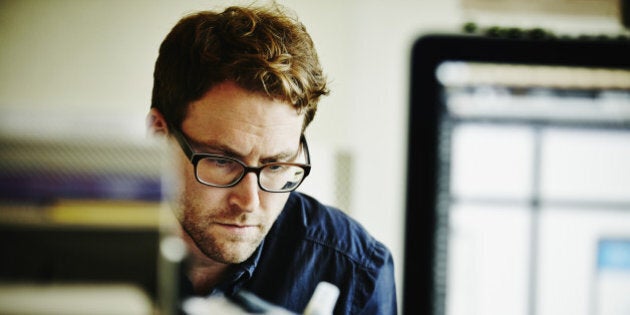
[331,229]
[311,242]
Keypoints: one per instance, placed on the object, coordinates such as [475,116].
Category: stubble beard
[227,249]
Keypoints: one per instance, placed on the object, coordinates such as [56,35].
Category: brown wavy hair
[262,49]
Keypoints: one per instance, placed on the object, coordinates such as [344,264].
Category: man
[234,92]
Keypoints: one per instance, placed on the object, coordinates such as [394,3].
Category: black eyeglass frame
[195,157]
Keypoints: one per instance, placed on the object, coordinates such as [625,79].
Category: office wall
[71,67]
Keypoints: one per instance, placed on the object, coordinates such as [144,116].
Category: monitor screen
[518,177]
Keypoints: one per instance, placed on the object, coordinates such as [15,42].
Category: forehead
[247,120]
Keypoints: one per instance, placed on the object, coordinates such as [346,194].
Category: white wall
[80,59]
[365,47]
[65,61]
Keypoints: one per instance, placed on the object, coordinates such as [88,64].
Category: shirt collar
[242,272]
[245,270]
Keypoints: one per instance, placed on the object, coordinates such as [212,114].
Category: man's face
[227,224]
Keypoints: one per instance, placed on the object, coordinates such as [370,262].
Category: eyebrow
[215,147]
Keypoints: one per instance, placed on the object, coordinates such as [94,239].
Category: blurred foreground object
[80,226]
[321,303]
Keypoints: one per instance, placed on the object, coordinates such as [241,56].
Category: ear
[156,124]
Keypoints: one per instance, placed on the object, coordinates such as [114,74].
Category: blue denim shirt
[310,243]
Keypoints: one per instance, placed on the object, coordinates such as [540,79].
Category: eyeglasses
[222,171]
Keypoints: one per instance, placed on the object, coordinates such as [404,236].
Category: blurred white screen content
[535,188]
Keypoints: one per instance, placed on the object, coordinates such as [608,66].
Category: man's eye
[276,168]
[223,162]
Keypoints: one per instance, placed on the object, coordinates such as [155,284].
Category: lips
[236,225]
[238,228]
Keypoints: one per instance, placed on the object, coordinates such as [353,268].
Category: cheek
[186,191]
[186,181]
[196,193]
[178,172]
[184,178]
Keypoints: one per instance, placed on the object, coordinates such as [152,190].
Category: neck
[205,274]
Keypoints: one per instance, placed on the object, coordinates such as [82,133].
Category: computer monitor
[518,176]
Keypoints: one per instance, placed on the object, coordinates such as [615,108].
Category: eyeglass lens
[222,171]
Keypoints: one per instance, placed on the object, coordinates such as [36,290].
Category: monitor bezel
[428,52]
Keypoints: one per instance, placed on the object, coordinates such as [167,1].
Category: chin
[234,254]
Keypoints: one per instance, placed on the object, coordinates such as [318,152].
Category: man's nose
[245,194]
